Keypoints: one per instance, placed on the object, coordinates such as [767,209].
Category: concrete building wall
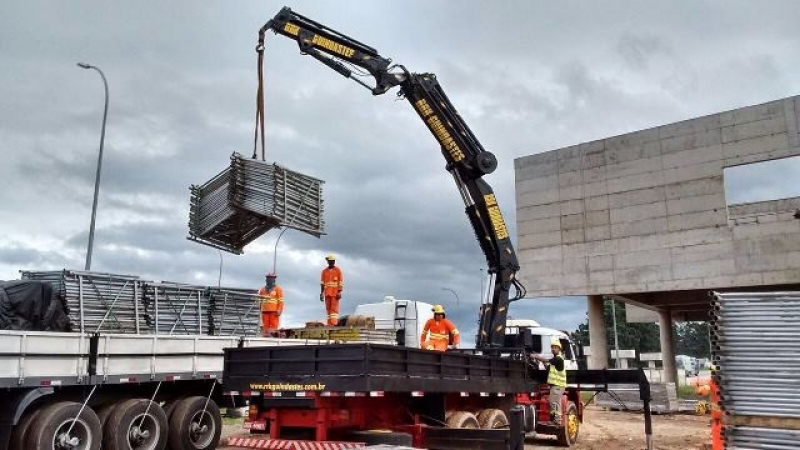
[646,211]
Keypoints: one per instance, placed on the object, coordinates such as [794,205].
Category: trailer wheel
[20,432]
[463,419]
[568,433]
[169,407]
[60,426]
[377,437]
[136,424]
[491,419]
[104,412]
[195,425]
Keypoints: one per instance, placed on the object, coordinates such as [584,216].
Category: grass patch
[232,420]
[687,392]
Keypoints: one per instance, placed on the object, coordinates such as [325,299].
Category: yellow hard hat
[555,342]
[330,257]
[438,309]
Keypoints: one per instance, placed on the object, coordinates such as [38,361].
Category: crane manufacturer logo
[291,28]
[332,46]
[496,216]
[439,130]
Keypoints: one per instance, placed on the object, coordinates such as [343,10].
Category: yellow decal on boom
[291,28]
[496,216]
[444,138]
[423,107]
[332,46]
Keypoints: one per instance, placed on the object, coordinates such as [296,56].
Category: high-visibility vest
[441,330]
[557,377]
[272,300]
[332,281]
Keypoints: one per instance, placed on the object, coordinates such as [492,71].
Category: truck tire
[378,437]
[195,425]
[492,419]
[136,424]
[463,419]
[104,412]
[169,407]
[20,432]
[53,422]
[568,433]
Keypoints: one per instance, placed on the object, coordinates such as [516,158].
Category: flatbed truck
[382,394]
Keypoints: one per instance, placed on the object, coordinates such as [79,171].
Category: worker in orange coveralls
[708,387]
[717,442]
[441,331]
[271,305]
[331,285]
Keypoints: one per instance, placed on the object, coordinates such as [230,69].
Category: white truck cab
[406,317]
[541,339]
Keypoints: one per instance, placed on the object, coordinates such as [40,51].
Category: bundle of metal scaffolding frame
[761,438]
[234,312]
[213,221]
[249,198]
[757,360]
[97,302]
[273,191]
[111,303]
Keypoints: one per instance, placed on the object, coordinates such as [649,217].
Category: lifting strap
[259,101]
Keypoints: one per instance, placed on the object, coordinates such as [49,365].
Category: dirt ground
[614,430]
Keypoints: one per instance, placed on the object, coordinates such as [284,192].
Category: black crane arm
[466,159]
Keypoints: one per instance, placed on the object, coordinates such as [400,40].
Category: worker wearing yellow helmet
[556,378]
[331,286]
[439,332]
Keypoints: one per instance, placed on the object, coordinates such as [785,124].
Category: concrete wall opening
[754,192]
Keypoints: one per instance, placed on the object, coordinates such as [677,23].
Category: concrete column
[667,346]
[597,333]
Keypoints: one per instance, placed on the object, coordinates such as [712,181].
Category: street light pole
[99,165]
[454,293]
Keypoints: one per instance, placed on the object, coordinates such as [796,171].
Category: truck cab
[406,317]
[535,338]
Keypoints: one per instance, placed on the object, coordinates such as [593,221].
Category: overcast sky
[527,76]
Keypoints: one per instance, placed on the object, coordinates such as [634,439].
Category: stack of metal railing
[112,303]
[757,360]
[249,198]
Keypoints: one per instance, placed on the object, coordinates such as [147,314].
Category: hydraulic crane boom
[466,159]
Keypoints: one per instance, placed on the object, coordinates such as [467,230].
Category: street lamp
[454,293]
[99,165]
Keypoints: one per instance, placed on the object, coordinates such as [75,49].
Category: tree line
[691,338]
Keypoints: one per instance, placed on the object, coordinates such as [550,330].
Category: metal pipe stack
[249,198]
[123,304]
[756,352]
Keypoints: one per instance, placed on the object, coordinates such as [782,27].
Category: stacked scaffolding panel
[122,304]
[757,360]
[249,198]
[98,302]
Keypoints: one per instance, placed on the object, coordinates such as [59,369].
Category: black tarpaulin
[28,305]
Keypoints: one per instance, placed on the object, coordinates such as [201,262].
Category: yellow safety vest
[557,377]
